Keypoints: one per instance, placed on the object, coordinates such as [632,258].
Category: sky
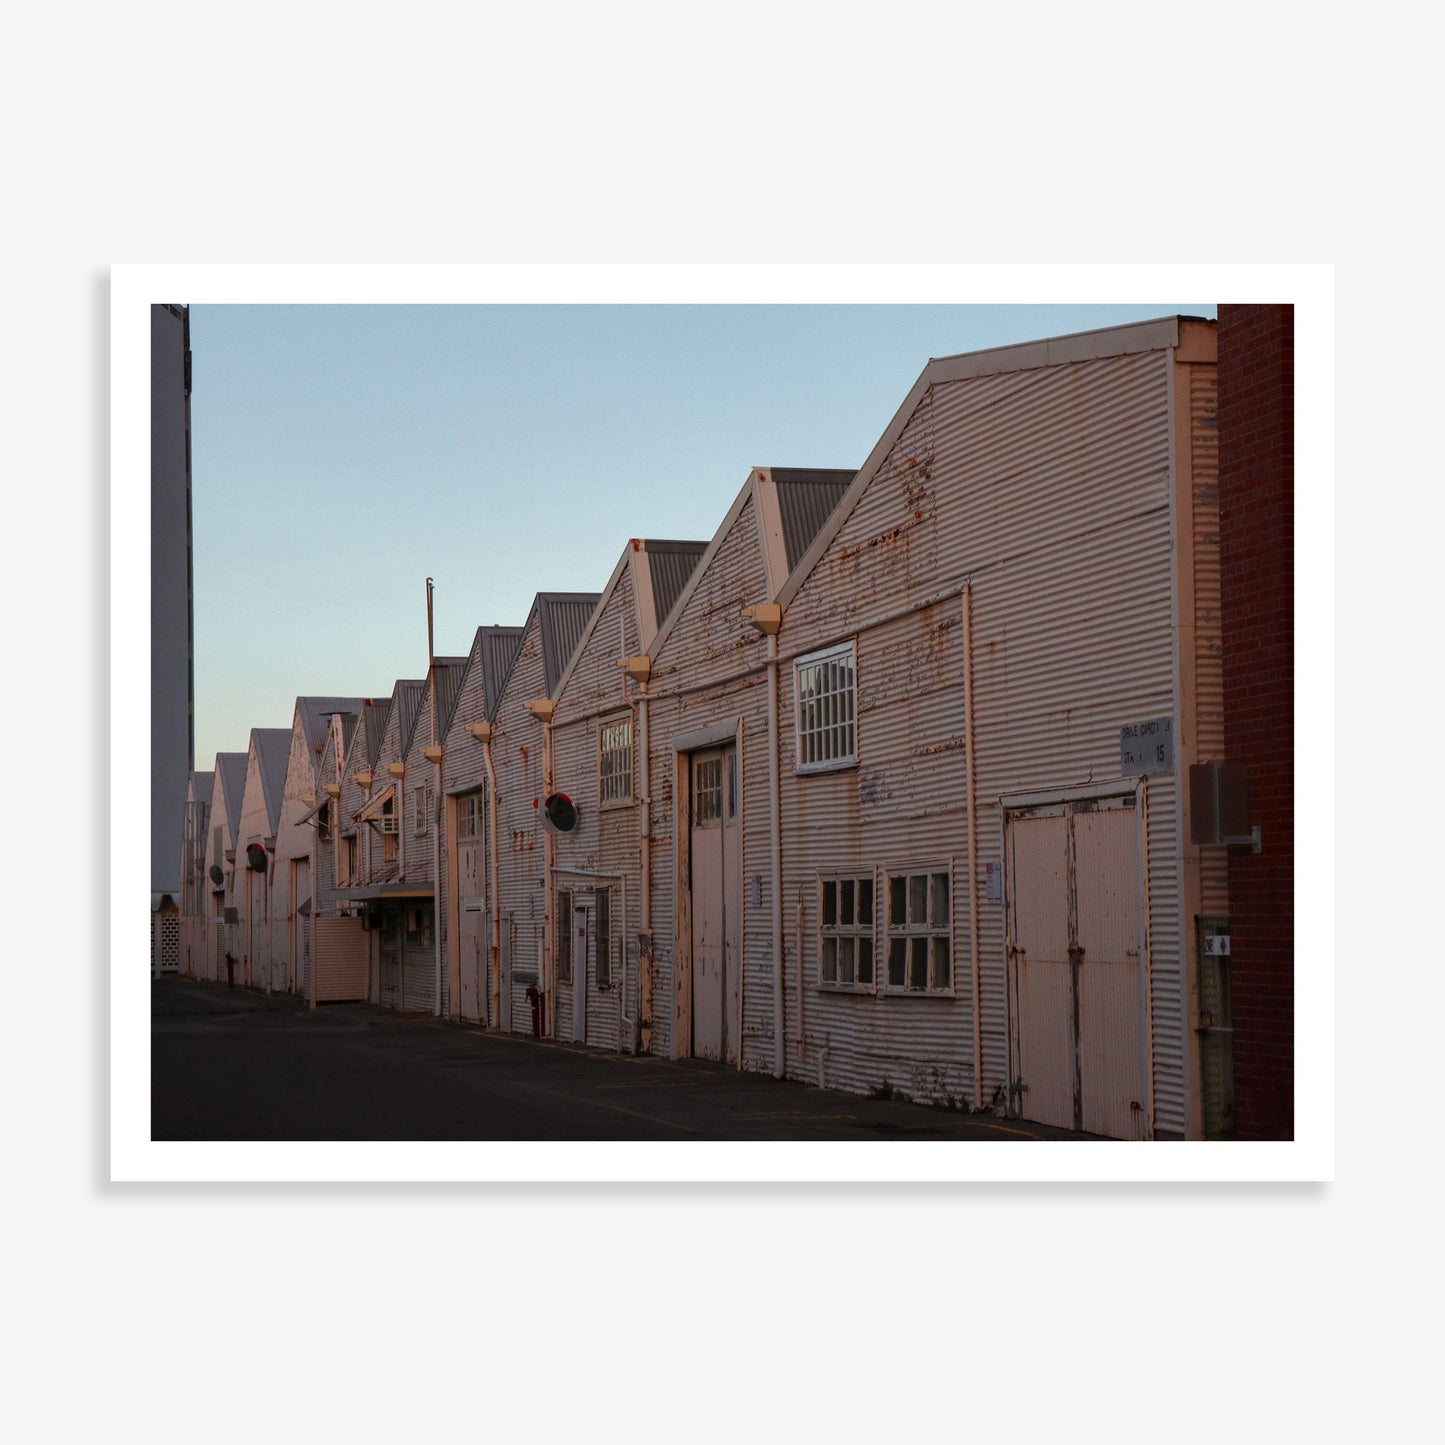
[343,454]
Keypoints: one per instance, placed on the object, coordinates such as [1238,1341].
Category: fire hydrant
[230,971]
[534,998]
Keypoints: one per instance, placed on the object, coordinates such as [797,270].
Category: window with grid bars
[846,931]
[470,818]
[825,708]
[707,790]
[614,759]
[919,923]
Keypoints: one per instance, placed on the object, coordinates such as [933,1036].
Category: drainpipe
[972,841]
[768,618]
[639,669]
[483,734]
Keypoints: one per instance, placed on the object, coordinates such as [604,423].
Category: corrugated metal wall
[606,840]
[517,757]
[711,639]
[1049,490]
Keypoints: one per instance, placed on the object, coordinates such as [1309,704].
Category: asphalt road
[235,1064]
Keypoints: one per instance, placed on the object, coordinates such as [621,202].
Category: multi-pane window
[614,759]
[418,811]
[564,935]
[826,688]
[846,931]
[604,937]
[920,930]
[470,818]
[707,790]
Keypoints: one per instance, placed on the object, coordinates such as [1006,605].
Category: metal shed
[307,819]
[255,877]
[394,906]
[466,886]
[223,934]
[420,780]
[595,877]
[711,988]
[997,663]
[519,746]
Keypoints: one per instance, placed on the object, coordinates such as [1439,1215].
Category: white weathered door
[1113,1040]
[1042,971]
[716,905]
[1080,1030]
[472,943]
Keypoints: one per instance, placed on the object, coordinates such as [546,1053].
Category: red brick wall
[1256,546]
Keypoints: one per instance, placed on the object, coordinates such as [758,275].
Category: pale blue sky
[343,454]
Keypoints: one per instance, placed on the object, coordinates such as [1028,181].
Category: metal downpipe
[776,843]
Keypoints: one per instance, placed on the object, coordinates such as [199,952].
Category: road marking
[616,1108]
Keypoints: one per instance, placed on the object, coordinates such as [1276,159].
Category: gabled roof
[671,563]
[377,716]
[232,768]
[1053,351]
[806,498]
[669,566]
[406,699]
[273,757]
[450,672]
[497,650]
[562,617]
[201,786]
[314,713]
[790,505]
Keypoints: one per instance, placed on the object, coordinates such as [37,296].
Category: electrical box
[1219,803]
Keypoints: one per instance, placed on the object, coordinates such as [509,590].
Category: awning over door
[386,892]
[374,807]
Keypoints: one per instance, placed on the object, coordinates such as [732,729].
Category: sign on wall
[1146,747]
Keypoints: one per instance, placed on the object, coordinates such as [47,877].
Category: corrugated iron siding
[293,840]
[670,565]
[1050,489]
[517,757]
[464,769]
[711,640]
[605,840]
[806,499]
[563,617]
